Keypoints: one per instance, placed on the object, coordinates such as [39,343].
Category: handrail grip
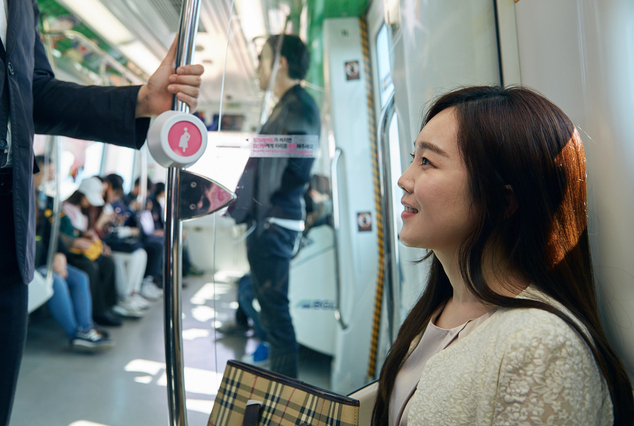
[390,242]
[334,185]
[55,149]
[57,208]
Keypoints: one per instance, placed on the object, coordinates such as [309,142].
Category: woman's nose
[404,183]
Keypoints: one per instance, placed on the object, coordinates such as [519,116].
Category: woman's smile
[408,211]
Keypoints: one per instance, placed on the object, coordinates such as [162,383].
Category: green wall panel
[318,10]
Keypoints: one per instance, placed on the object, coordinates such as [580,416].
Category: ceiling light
[94,14]
[251,19]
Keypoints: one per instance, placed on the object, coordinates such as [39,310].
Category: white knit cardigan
[519,367]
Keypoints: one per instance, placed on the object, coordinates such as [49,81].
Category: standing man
[32,100]
[270,197]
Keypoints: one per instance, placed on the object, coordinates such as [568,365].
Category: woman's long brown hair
[516,138]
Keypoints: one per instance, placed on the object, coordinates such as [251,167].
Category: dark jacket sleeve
[104,114]
[297,171]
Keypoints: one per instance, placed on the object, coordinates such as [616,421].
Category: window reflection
[383,59]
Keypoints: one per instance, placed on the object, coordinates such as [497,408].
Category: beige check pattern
[286,402]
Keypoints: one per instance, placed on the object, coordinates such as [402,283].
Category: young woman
[507,330]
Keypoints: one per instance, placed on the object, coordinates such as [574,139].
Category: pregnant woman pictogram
[184,139]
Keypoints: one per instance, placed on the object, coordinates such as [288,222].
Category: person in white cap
[128,251]
[91,189]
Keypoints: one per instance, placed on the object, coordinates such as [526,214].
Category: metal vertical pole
[143,193]
[56,153]
[172,271]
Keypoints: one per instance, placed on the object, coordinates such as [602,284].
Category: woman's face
[438,213]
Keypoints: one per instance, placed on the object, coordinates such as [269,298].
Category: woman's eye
[423,161]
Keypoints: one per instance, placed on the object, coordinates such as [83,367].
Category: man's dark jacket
[274,187]
[38,103]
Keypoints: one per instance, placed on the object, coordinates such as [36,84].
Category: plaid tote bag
[252,396]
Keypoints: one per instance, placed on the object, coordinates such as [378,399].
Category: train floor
[126,386]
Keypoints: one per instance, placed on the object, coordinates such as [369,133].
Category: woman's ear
[511,201]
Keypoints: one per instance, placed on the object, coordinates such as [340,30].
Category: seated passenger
[131,199]
[70,305]
[158,205]
[127,249]
[507,329]
[89,253]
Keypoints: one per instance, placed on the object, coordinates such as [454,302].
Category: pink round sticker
[184,138]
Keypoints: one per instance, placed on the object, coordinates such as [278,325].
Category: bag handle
[252,413]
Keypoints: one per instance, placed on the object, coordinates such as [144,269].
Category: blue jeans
[71,303]
[245,299]
[269,255]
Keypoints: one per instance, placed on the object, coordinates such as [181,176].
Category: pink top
[77,218]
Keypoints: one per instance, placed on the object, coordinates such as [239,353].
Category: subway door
[581,56]
[347,127]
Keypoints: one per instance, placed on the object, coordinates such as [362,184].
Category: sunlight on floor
[87,423]
[225,276]
[196,380]
[203,313]
[210,291]
[200,405]
[195,333]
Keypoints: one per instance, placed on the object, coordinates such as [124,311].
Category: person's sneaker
[140,301]
[232,328]
[101,331]
[91,340]
[150,291]
[259,358]
[127,309]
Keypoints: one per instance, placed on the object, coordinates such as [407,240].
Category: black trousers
[101,277]
[13,303]
[153,245]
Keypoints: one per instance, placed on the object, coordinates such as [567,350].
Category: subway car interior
[374,67]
